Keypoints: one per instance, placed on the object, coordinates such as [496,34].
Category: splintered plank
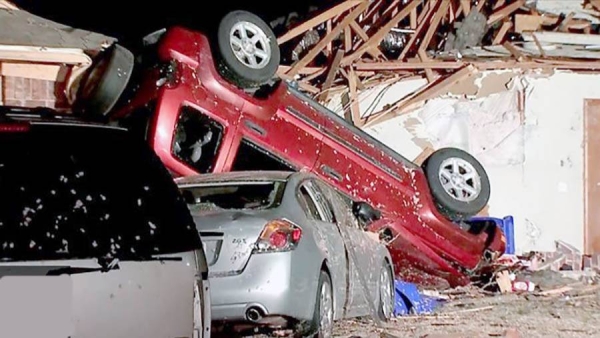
[505,11]
[466,6]
[423,155]
[498,4]
[335,65]
[374,52]
[539,46]
[422,24]
[564,25]
[428,71]
[372,11]
[354,103]
[528,23]
[348,39]
[513,50]
[377,37]
[480,5]
[329,45]
[334,33]
[506,25]
[413,19]
[317,20]
[435,22]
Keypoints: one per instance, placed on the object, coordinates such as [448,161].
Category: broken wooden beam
[428,72]
[325,40]
[505,11]
[513,51]
[354,103]
[377,37]
[333,68]
[374,52]
[423,155]
[317,20]
[411,42]
[433,26]
[499,38]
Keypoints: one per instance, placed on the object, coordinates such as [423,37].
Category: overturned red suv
[210,102]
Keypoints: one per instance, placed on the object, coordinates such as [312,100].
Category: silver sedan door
[362,252]
[329,240]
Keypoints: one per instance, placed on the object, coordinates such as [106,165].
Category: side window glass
[308,204]
[197,139]
[323,203]
[252,157]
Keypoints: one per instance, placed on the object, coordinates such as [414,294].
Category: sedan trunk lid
[229,238]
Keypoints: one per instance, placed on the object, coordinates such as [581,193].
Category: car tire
[105,81]
[317,329]
[255,59]
[386,293]
[458,182]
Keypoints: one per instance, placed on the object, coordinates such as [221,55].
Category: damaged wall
[527,130]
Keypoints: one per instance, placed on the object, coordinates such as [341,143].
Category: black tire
[451,206]
[383,316]
[105,81]
[235,70]
[314,330]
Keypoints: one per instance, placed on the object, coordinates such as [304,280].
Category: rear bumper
[266,284]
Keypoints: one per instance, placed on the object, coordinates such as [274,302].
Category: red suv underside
[284,129]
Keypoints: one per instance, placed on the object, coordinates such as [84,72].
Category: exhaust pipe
[253,314]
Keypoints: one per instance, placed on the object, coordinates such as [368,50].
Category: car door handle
[332,173]
[255,128]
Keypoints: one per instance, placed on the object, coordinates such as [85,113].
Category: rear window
[254,195]
[83,192]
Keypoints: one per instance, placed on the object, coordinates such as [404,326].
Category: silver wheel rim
[385,291]
[459,179]
[250,45]
[326,308]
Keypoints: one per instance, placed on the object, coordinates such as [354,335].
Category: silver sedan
[286,250]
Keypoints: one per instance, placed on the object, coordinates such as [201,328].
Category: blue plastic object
[410,301]
[507,224]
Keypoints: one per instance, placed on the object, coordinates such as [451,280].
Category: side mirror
[365,213]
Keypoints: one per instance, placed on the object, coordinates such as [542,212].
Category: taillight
[277,236]
[13,127]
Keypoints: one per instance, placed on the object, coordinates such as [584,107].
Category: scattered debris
[442,41]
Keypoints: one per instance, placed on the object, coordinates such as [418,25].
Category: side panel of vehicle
[158,292]
[297,151]
[329,242]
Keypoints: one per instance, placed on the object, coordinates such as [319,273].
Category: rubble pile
[358,44]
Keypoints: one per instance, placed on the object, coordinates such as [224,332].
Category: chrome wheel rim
[460,179]
[326,311]
[250,45]
[385,292]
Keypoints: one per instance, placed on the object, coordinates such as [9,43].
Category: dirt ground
[574,313]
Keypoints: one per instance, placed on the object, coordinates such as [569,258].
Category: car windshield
[84,192]
[236,195]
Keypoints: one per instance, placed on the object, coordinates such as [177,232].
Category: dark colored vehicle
[216,107]
[95,238]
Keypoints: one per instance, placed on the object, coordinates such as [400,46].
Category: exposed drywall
[529,137]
